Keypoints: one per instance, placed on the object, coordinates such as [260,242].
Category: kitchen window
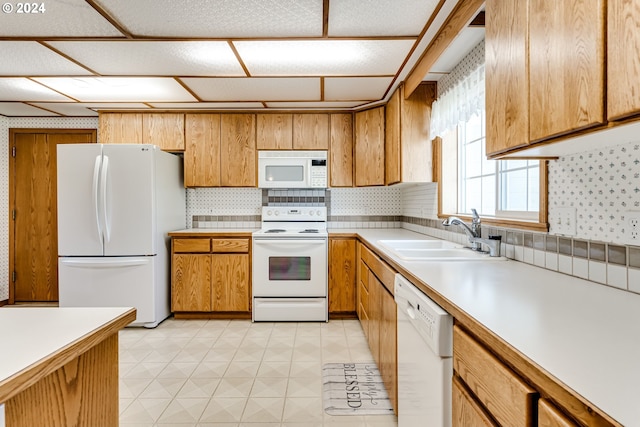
[504,192]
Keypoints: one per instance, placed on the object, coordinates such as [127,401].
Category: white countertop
[31,334]
[585,334]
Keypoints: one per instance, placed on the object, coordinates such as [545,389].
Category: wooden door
[389,346]
[375,315]
[310,131]
[230,283]
[369,152]
[507,74]
[202,150]
[191,282]
[466,411]
[238,166]
[623,58]
[33,233]
[566,66]
[274,131]
[341,152]
[392,139]
[342,276]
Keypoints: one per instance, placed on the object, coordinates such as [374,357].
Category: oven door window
[289,268]
[284,173]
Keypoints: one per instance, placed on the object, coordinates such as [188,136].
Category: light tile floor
[223,373]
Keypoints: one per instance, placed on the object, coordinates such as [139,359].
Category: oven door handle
[289,242]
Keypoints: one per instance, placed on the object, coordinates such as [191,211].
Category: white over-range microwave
[292,169]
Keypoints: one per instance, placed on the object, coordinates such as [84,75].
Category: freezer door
[79,230]
[129,199]
[110,282]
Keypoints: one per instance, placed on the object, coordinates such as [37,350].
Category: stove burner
[309,230]
[275,230]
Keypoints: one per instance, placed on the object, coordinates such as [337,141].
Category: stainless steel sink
[434,250]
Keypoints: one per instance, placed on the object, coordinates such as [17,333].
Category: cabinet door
[369,142]
[342,276]
[166,130]
[202,150]
[465,410]
[238,150]
[392,139]
[341,152]
[274,131]
[506,75]
[230,282]
[191,282]
[310,131]
[623,58]
[120,128]
[389,346]
[375,315]
[415,145]
[566,66]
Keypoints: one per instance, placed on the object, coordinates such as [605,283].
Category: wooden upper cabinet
[341,152]
[310,131]
[166,130]
[238,150]
[274,131]
[369,147]
[408,147]
[202,150]
[566,66]
[506,74]
[120,128]
[623,58]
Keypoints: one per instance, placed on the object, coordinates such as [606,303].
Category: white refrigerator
[116,203]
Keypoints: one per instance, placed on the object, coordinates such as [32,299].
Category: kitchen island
[59,366]
[575,339]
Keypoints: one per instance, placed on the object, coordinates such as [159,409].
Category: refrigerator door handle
[104,263]
[104,199]
[96,184]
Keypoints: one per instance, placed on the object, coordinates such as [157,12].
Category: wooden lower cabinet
[377,314]
[550,416]
[342,277]
[210,275]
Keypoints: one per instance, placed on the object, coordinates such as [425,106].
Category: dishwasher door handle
[411,311]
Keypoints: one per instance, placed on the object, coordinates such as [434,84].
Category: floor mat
[354,389]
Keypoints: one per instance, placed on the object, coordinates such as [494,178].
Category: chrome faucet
[474,234]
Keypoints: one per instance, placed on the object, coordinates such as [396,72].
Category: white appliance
[292,169]
[116,204]
[425,358]
[290,265]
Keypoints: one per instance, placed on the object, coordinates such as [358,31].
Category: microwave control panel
[319,173]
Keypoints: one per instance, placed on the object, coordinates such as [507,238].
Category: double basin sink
[433,250]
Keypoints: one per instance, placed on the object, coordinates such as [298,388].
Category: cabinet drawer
[381,269]
[364,275]
[550,416]
[509,399]
[191,245]
[230,245]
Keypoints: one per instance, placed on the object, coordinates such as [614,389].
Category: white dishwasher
[425,366]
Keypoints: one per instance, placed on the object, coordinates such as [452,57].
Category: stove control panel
[290,213]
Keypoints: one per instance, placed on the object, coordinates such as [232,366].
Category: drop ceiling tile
[33,59]
[119,89]
[255,89]
[352,88]
[205,105]
[168,58]
[323,57]
[218,18]
[68,18]
[18,109]
[23,89]
[379,17]
[73,109]
[316,105]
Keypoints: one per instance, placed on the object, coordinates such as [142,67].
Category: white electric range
[290,265]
